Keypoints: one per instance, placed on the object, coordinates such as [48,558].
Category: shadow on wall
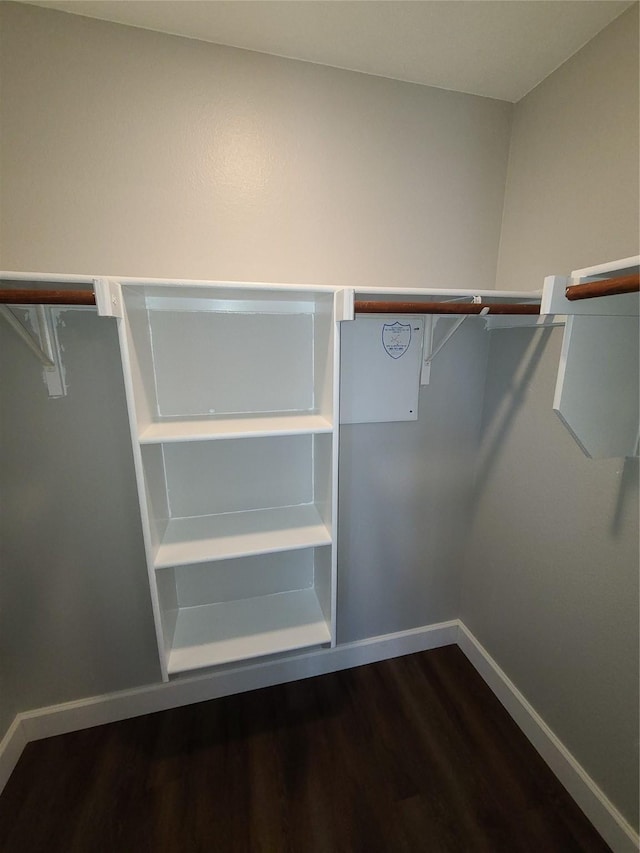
[521,375]
[508,385]
[629,484]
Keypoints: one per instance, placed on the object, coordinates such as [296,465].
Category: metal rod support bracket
[26,335]
[43,343]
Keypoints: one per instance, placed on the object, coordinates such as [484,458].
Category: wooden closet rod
[589,290]
[606,287]
[87,297]
[364,307]
[47,297]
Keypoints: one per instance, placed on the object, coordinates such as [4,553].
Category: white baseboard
[109,708]
[613,827]
[98,710]
[11,747]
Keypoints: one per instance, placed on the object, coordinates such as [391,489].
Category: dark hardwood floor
[412,754]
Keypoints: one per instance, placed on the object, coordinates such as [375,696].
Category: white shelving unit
[233,401]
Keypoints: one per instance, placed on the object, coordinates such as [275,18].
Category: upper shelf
[265,292]
[447,293]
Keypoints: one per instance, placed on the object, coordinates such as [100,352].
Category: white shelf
[212,634]
[240,534]
[203,429]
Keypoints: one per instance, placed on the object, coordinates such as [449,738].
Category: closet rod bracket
[108,297]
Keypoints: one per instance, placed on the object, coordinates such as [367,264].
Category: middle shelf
[214,500]
[239,534]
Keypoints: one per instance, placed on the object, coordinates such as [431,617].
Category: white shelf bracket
[434,352]
[43,343]
[429,352]
[21,330]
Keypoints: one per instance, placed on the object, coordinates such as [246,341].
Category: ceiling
[495,48]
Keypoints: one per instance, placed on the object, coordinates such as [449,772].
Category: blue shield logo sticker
[396,338]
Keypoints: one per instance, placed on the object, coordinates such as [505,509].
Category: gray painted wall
[551,581]
[8,707]
[125,151]
[405,494]
[76,617]
[572,187]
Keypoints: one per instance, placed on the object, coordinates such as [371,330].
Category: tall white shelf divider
[233,394]
[597,391]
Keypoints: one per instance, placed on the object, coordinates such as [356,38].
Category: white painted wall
[126,151]
[131,152]
[551,583]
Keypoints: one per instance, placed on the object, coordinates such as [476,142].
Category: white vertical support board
[133,383]
[380,369]
[238,355]
[597,391]
[597,394]
[343,315]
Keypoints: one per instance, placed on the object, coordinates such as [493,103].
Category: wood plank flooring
[412,754]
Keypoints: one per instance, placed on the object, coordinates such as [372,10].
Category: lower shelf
[229,631]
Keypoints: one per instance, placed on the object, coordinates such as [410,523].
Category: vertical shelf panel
[381,362]
[229,363]
[207,478]
[598,387]
[597,394]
